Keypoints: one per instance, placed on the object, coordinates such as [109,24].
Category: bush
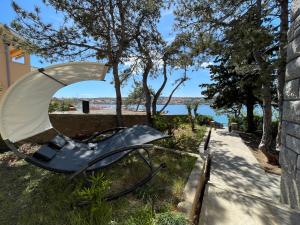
[203,119]
[169,124]
[59,105]
[258,123]
[170,218]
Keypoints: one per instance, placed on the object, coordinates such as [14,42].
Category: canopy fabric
[24,107]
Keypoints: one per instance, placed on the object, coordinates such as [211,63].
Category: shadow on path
[239,191]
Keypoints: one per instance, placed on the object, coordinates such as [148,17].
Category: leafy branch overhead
[248,36]
[90,29]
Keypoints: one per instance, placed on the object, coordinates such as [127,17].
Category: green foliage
[53,199]
[171,123]
[242,122]
[184,138]
[148,193]
[142,216]
[177,189]
[136,96]
[62,202]
[60,105]
[232,86]
[98,211]
[258,123]
[243,35]
[54,106]
[192,107]
[170,218]
[168,124]
[203,119]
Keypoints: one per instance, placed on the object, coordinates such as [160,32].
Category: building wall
[290,149]
[3,81]
[17,70]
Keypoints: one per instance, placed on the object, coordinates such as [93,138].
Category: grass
[33,196]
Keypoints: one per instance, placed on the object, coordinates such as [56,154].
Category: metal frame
[42,71]
[99,158]
[130,149]
[99,133]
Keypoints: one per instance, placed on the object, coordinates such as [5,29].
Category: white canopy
[24,107]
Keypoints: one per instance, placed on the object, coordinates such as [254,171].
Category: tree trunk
[138,105]
[250,102]
[284,25]
[159,91]
[250,117]
[266,140]
[147,97]
[171,95]
[147,69]
[190,118]
[117,84]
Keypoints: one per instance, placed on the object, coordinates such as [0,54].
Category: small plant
[170,218]
[142,216]
[177,188]
[96,209]
[192,107]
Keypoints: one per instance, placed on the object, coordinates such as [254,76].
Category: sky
[93,89]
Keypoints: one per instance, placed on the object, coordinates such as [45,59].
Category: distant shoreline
[161,101]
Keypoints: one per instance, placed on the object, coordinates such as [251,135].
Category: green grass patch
[33,196]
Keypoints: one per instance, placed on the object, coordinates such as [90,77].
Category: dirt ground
[252,142]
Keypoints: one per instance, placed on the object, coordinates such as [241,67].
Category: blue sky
[106,89]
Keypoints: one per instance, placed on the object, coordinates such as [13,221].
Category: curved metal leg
[152,171]
[137,185]
[102,157]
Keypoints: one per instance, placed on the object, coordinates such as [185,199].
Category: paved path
[239,191]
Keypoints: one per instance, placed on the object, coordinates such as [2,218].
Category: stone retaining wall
[290,149]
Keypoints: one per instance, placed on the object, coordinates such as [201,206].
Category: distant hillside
[161,101]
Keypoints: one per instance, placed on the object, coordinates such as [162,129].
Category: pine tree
[91,29]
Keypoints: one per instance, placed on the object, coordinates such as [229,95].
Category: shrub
[203,119]
[170,218]
[169,124]
[258,123]
[60,105]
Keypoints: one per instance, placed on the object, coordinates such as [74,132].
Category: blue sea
[202,110]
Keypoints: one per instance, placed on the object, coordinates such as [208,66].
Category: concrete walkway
[239,191]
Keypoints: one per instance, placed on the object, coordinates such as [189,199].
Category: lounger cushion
[58,142]
[45,153]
